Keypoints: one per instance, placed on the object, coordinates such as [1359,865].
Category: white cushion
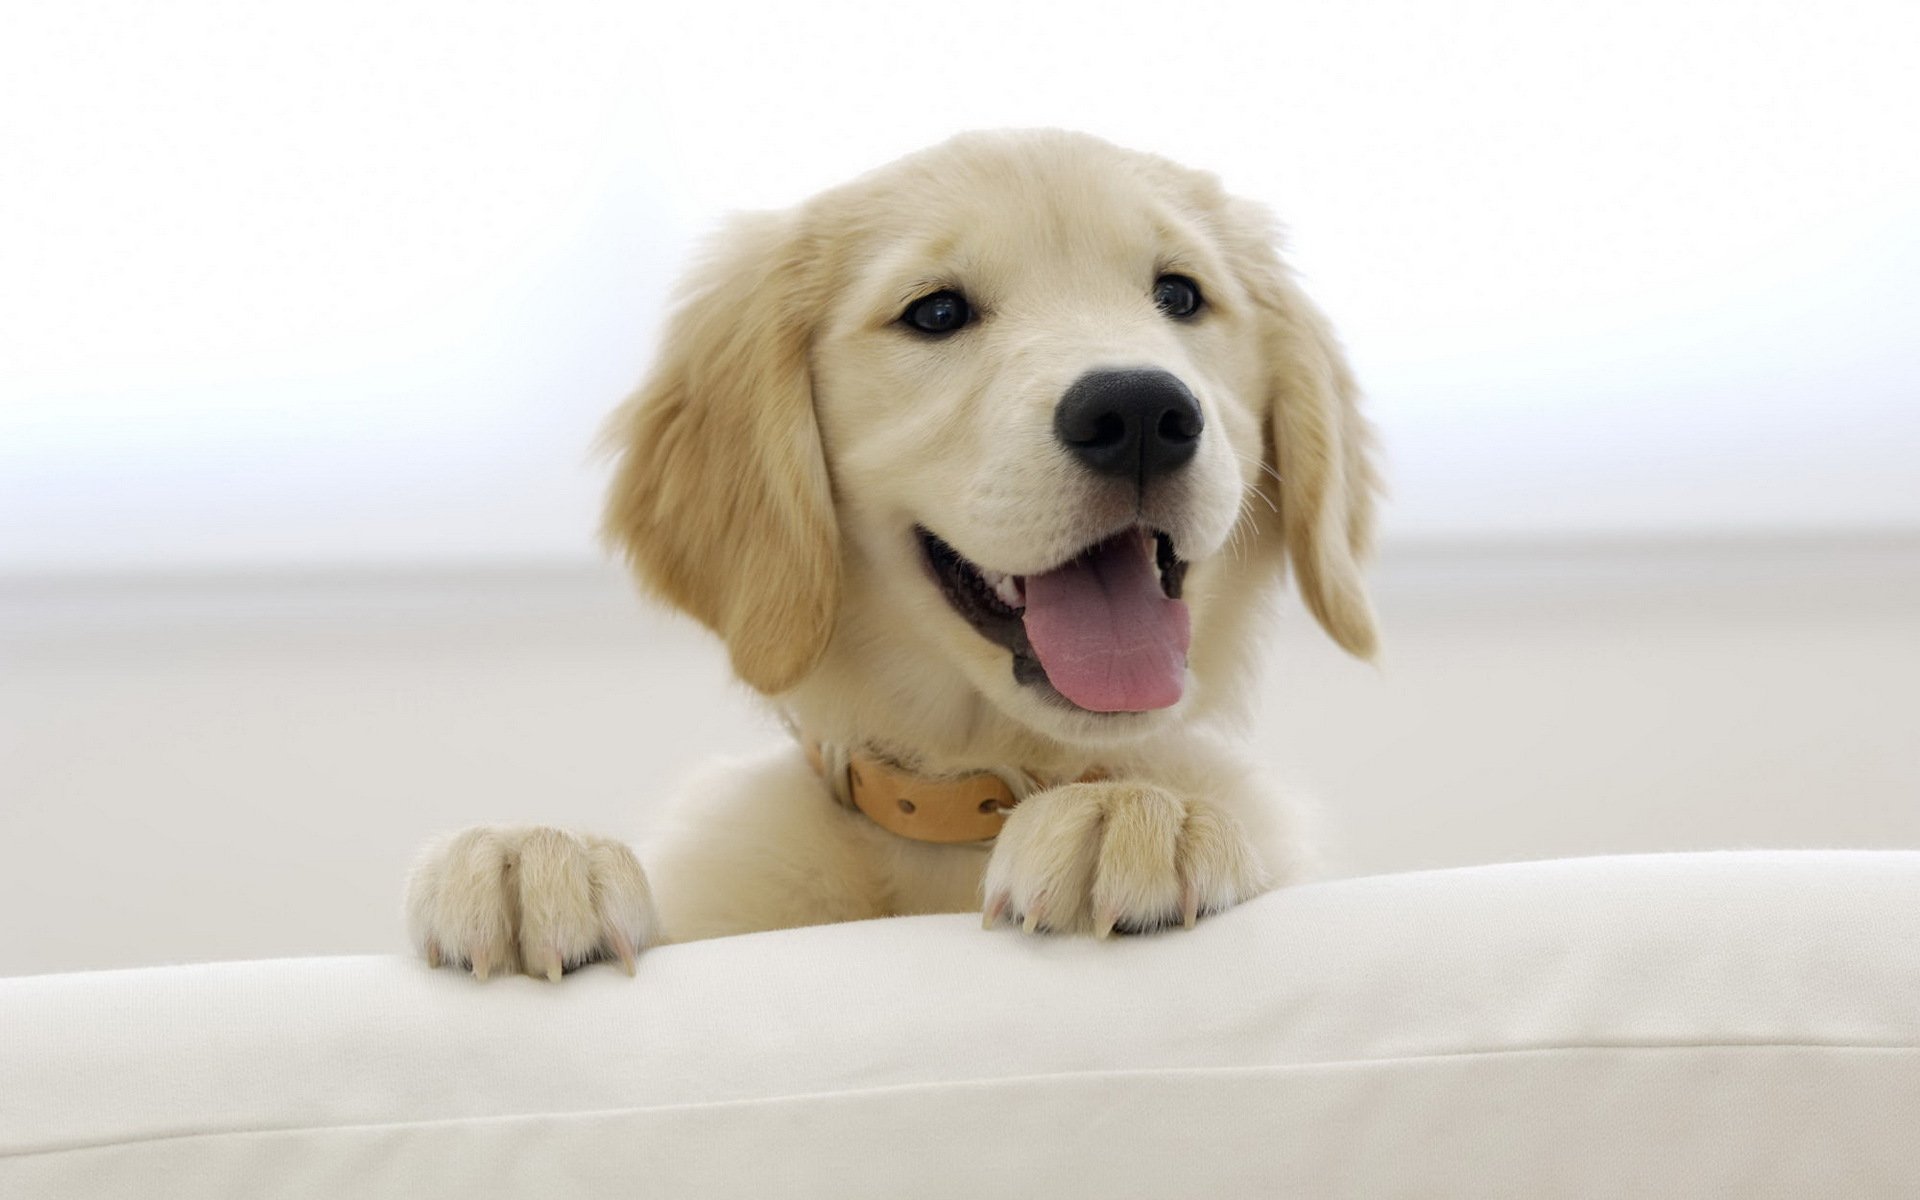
[1732,1024]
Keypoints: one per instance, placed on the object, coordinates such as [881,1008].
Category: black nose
[1136,423]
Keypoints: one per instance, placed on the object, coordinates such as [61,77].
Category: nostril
[1180,425]
[1109,430]
[1093,430]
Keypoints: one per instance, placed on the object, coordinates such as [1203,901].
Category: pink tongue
[1107,636]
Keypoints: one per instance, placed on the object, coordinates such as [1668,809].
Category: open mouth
[1106,629]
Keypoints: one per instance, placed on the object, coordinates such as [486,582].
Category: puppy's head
[1026,407]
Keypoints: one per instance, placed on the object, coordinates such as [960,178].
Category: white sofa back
[1673,1026]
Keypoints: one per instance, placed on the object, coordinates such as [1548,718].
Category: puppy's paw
[525,898]
[1096,857]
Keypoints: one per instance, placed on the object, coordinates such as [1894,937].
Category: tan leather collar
[948,809]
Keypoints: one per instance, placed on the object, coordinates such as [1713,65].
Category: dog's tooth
[1007,588]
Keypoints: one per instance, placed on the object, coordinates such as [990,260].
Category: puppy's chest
[924,877]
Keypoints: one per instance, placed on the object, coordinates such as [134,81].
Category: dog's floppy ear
[1322,450]
[720,499]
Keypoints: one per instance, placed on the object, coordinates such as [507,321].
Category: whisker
[1236,535]
[1269,470]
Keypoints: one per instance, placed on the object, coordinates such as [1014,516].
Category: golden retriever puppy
[987,467]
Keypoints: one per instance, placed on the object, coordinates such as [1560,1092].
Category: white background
[350,283]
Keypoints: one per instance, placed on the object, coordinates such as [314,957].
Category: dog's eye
[942,312]
[1176,295]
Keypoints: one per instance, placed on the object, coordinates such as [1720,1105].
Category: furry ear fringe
[720,499]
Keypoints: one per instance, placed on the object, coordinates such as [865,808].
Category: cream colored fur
[771,473]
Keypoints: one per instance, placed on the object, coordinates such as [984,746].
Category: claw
[542,962]
[622,949]
[1103,924]
[482,965]
[435,956]
[1189,904]
[1035,914]
[996,908]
